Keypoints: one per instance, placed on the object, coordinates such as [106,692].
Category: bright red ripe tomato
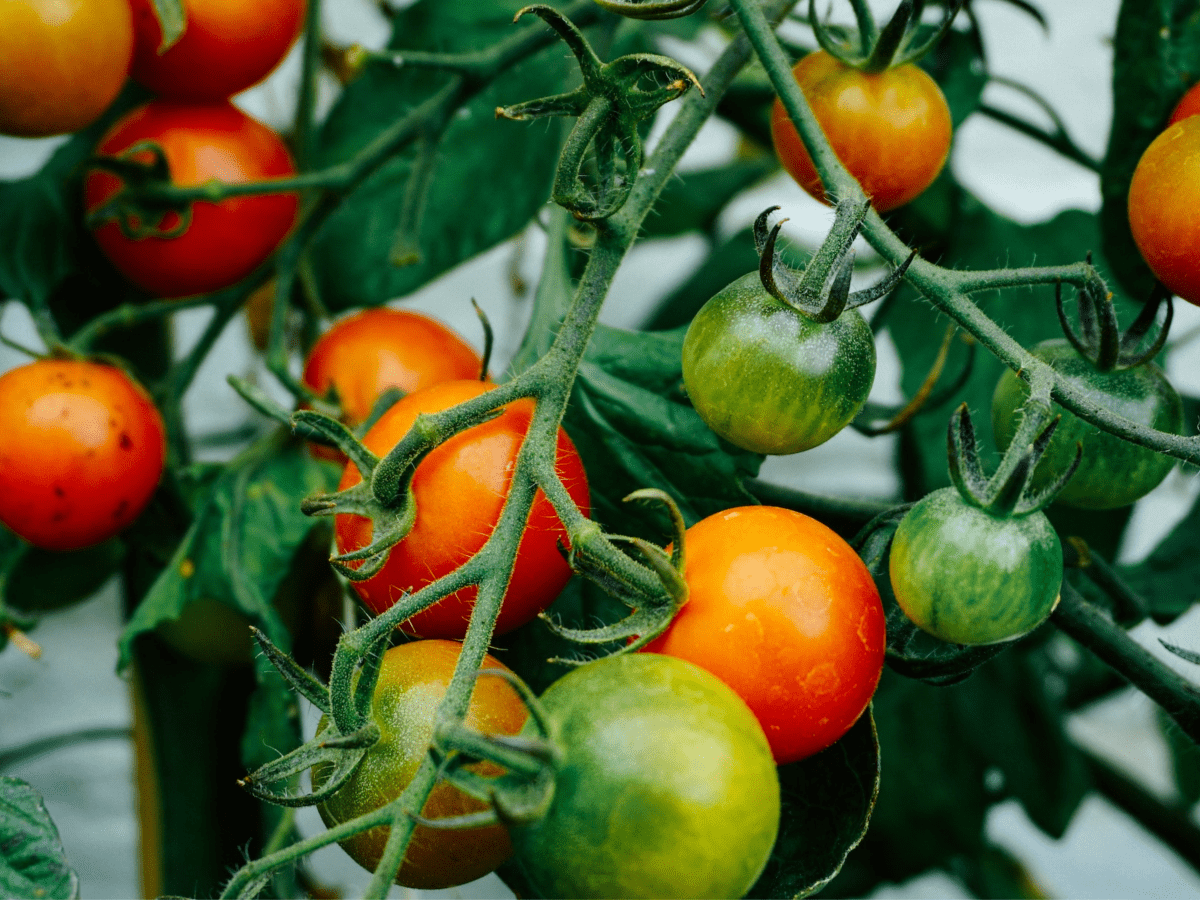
[225,241]
[460,489]
[81,451]
[891,130]
[62,62]
[784,612]
[228,46]
[364,355]
[1163,197]
[1188,105]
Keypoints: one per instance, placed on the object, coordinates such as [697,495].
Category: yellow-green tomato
[969,577]
[668,788]
[770,379]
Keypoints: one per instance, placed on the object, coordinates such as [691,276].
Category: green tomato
[1112,472]
[668,787]
[768,378]
[969,577]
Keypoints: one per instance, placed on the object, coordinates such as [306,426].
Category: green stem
[1087,624]
[12,756]
[1058,141]
[306,101]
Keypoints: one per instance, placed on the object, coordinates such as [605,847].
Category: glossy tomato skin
[782,610]
[62,62]
[891,131]
[412,681]
[969,577]
[460,488]
[1112,472]
[364,355]
[1163,196]
[228,46]
[225,241]
[769,379]
[81,451]
[1189,105]
[668,789]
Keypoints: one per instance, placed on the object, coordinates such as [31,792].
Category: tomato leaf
[45,580]
[512,164]
[1167,578]
[634,429]
[827,802]
[33,863]
[1156,59]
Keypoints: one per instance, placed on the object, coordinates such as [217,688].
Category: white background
[89,789]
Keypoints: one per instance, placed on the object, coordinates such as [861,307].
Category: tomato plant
[783,611]
[80,454]
[891,130]
[1112,472]
[62,63]
[668,787]
[226,47]
[1162,192]
[412,681]
[459,489]
[771,379]
[362,356]
[222,242]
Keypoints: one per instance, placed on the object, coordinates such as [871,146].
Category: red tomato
[62,62]
[364,355]
[227,46]
[783,611]
[225,241]
[1163,197]
[81,451]
[460,489]
[891,131]
[1188,105]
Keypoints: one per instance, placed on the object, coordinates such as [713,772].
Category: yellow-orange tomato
[81,452]
[891,130]
[62,62]
[412,681]
[460,488]
[784,612]
[1163,198]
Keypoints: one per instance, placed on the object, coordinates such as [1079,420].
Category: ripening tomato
[81,451]
[62,62]
[1188,105]
[227,46]
[891,130]
[1163,196]
[460,488]
[413,679]
[364,355]
[225,241]
[784,612]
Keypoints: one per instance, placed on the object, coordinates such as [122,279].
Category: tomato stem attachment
[901,40]
[651,10]
[1100,339]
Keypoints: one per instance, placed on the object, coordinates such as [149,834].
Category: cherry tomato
[412,681]
[891,131]
[1112,472]
[225,241]
[81,452]
[668,789]
[1163,195]
[228,46]
[460,488]
[364,355]
[768,378]
[783,611]
[1188,105]
[969,577]
[62,62]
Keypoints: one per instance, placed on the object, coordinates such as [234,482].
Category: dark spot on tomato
[58,491]
[125,441]
[119,512]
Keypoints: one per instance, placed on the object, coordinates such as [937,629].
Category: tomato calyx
[652,587]
[608,105]
[1006,493]
[651,10]
[145,202]
[1100,339]
[903,39]
[822,291]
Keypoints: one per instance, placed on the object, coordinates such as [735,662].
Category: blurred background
[89,788]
